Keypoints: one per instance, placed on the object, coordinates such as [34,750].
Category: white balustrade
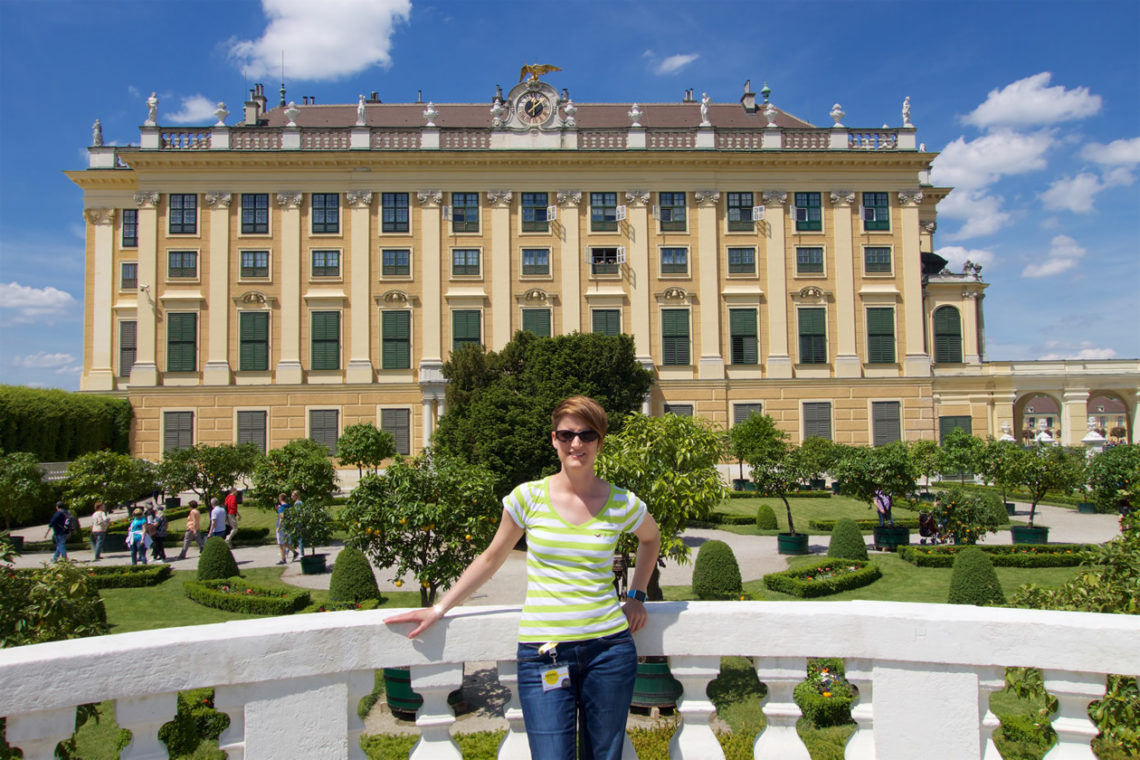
[290,685]
[514,744]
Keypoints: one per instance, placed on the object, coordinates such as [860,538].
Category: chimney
[254,107]
[374,97]
[748,99]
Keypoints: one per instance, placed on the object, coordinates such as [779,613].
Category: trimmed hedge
[825,697]
[1006,555]
[974,580]
[195,720]
[128,576]
[766,518]
[58,426]
[235,595]
[847,541]
[352,577]
[790,495]
[805,581]
[1017,494]
[716,574]
[216,561]
[826,526]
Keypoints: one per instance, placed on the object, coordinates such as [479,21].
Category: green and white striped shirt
[569,568]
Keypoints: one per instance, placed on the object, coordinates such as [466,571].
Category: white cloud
[1031,102]
[43,360]
[671,64]
[1064,254]
[976,163]
[321,41]
[194,108]
[1078,194]
[21,303]
[956,256]
[982,213]
[1116,153]
[1085,351]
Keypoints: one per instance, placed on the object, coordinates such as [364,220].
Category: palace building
[313,266]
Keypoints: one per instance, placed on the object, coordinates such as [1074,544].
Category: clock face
[533,108]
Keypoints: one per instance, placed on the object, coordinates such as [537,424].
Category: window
[129,275]
[674,261]
[740,212]
[324,427]
[881,335]
[808,213]
[876,212]
[536,321]
[742,335]
[741,412]
[603,212]
[465,212]
[947,425]
[182,214]
[813,336]
[182,264]
[817,419]
[251,428]
[395,340]
[394,212]
[742,261]
[130,228]
[607,321]
[886,422]
[181,342]
[534,212]
[671,211]
[177,430]
[325,343]
[326,213]
[464,261]
[876,260]
[255,263]
[326,263]
[947,336]
[465,328]
[398,422]
[675,336]
[253,346]
[395,262]
[809,261]
[679,410]
[605,260]
[128,347]
[536,261]
[255,213]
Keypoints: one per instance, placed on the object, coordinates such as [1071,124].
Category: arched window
[947,336]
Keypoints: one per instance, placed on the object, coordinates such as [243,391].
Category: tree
[997,464]
[499,403]
[865,470]
[21,486]
[1042,468]
[429,516]
[308,524]
[1114,477]
[47,603]
[959,453]
[364,445]
[302,465]
[777,467]
[107,477]
[817,455]
[967,516]
[207,470]
[924,456]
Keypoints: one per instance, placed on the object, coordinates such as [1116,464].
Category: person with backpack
[158,539]
[58,529]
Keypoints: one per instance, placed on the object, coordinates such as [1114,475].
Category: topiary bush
[973,580]
[195,720]
[847,541]
[765,517]
[216,561]
[352,579]
[716,575]
[825,696]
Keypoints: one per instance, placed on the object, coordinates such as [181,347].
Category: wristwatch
[636,595]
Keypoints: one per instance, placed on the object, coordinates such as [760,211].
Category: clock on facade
[533,108]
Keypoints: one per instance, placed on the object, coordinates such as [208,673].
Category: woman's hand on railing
[636,614]
[424,618]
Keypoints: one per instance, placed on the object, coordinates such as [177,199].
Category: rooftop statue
[536,70]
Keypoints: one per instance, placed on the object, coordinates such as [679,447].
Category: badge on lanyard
[556,676]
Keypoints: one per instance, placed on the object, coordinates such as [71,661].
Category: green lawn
[803,511]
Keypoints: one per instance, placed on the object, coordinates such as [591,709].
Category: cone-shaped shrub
[974,580]
[765,517]
[716,574]
[352,579]
[847,541]
[216,561]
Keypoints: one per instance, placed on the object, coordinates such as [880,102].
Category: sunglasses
[586,436]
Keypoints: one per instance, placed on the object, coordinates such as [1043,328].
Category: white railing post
[434,718]
[360,684]
[514,745]
[143,716]
[779,740]
[1074,730]
[231,701]
[861,745]
[989,681]
[37,733]
[694,738]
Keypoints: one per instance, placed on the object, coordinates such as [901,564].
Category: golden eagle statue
[536,70]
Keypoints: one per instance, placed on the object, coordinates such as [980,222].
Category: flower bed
[825,696]
[1016,555]
[823,578]
[235,595]
[826,526]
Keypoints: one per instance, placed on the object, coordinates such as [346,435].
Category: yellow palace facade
[313,266]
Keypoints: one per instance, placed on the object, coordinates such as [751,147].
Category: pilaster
[917,360]
[289,365]
[779,361]
[570,258]
[971,344]
[100,375]
[217,369]
[145,370]
[637,256]
[708,278]
[1074,413]
[360,271]
[499,261]
[847,363]
[431,336]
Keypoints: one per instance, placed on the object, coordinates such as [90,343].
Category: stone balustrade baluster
[143,716]
[434,718]
[360,685]
[779,740]
[514,745]
[1074,730]
[231,701]
[37,733]
[860,674]
[694,737]
[989,681]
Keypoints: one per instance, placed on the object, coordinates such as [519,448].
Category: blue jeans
[60,546]
[97,542]
[138,552]
[588,715]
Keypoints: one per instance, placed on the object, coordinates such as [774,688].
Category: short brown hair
[585,408]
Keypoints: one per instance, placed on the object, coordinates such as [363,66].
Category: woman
[136,534]
[283,541]
[100,521]
[572,632]
[193,530]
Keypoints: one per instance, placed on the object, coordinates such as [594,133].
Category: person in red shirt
[231,516]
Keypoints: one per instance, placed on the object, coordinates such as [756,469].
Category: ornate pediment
[811,294]
[675,295]
[252,299]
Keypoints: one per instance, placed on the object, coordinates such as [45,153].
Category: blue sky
[1035,105]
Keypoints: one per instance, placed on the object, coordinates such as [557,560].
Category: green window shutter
[465,328]
[536,321]
[254,337]
[947,335]
[607,321]
[326,340]
[396,348]
[741,412]
[817,419]
[177,430]
[886,422]
[128,347]
[881,336]
[398,423]
[181,342]
[251,428]
[324,427]
[947,425]
[742,333]
[675,336]
[813,336]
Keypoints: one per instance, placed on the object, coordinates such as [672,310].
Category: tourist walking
[193,529]
[100,521]
[576,657]
[232,516]
[883,508]
[158,540]
[58,530]
[299,543]
[136,537]
[282,537]
[217,519]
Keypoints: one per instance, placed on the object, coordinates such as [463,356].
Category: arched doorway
[1112,415]
[1031,410]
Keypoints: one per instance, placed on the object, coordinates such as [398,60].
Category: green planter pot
[926,496]
[1086,508]
[739,484]
[835,487]
[402,701]
[173,502]
[1024,534]
[655,685]
[1010,509]
[115,542]
[889,538]
[786,543]
[313,564]
[817,484]
[16,541]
